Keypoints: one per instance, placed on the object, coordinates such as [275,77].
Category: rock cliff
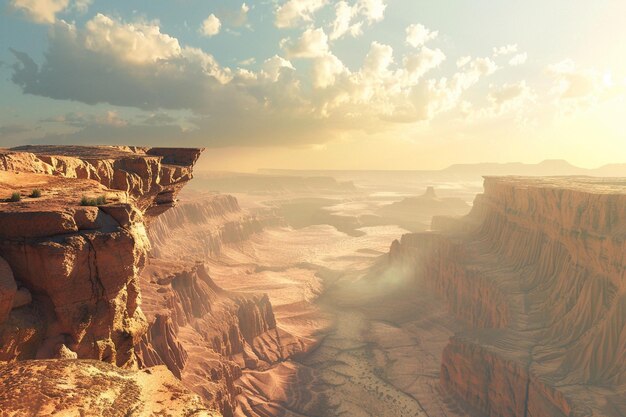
[72,244]
[537,270]
[206,336]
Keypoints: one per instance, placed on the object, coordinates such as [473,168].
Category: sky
[320,84]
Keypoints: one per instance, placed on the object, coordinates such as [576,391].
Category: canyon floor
[377,337]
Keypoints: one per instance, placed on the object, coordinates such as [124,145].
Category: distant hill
[550,167]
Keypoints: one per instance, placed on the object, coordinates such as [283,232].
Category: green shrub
[98,201]
[15,197]
[36,193]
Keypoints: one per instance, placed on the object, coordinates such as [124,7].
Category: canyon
[304,296]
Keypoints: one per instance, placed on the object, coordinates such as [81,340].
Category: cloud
[509,96]
[374,10]
[135,43]
[351,18]
[342,25]
[40,11]
[313,43]
[211,26]
[134,64]
[82,120]
[13,129]
[576,89]
[418,64]
[273,67]
[378,59]
[294,12]
[238,17]
[417,35]
[81,6]
[464,60]
[326,69]
[518,59]
[572,83]
[505,50]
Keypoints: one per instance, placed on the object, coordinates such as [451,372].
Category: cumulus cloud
[313,43]
[577,88]
[41,11]
[274,66]
[134,64]
[81,120]
[418,64]
[342,25]
[239,17]
[505,50]
[351,18]
[374,10]
[509,96]
[293,12]
[518,59]
[326,69]
[417,35]
[81,6]
[135,43]
[211,25]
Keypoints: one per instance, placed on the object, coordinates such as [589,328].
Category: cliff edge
[72,243]
[537,271]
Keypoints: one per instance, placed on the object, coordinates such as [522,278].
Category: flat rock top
[83,152]
[174,156]
[595,185]
[56,192]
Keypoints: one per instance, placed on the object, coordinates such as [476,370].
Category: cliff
[206,336]
[537,270]
[72,244]
[203,224]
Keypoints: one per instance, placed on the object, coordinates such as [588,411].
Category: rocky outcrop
[203,334]
[79,263]
[537,269]
[83,387]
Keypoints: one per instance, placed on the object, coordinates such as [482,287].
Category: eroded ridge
[537,269]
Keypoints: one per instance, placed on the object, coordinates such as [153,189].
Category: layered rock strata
[537,269]
[206,336]
[72,243]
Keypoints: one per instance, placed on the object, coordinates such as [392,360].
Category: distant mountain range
[551,167]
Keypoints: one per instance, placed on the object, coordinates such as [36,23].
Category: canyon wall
[206,336]
[537,270]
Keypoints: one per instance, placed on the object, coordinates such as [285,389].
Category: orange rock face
[537,269]
[70,271]
[203,334]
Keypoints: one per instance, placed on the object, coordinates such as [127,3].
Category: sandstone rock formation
[203,334]
[69,269]
[537,272]
[413,212]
